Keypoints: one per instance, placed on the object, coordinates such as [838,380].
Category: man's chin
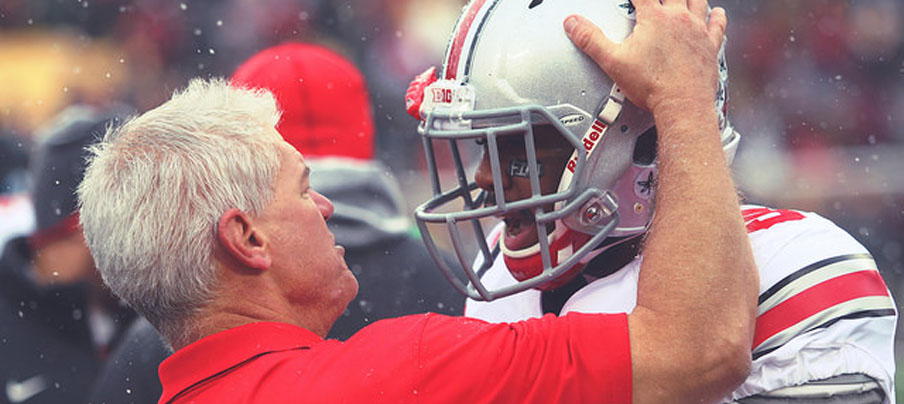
[350,287]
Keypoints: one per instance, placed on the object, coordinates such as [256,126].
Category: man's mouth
[520,230]
[338,248]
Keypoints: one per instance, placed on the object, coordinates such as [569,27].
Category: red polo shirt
[430,358]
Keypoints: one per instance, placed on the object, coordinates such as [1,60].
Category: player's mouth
[520,230]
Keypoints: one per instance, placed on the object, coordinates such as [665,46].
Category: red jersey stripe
[764,218]
[816,299]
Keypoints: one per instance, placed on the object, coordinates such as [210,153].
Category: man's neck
[234,308]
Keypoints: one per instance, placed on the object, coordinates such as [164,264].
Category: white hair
[155,188]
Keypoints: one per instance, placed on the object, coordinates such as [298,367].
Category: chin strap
[607,116]
[528,263]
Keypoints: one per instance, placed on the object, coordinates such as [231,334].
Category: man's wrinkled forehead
[292,161]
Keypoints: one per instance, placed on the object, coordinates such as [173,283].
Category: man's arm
[693,325]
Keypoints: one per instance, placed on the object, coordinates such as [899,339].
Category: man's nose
[323,204]
[484,175]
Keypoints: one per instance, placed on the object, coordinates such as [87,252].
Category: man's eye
[480,141]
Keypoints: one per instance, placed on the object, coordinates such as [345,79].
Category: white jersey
[823,308]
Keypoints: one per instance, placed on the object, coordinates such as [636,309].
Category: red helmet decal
[414,97]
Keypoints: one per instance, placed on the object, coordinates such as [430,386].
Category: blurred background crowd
[817,86]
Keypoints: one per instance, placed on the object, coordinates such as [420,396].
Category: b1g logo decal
[763,218]
[626,9]
[442,95]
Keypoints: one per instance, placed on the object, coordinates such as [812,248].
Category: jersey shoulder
[809,267]
[822,301]
[785,240]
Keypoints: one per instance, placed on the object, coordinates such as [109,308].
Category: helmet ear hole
[645,148]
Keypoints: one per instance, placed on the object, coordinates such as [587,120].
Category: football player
[569,166]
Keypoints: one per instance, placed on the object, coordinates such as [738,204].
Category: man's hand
[670,56]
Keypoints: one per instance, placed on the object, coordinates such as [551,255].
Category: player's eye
[480,141]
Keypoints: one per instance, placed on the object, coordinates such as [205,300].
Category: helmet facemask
[554,217]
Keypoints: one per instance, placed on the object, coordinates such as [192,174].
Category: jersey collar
[216,353]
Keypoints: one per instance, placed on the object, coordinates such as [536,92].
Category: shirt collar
[215,353]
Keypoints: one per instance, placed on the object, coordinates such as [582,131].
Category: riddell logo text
[442,95]
[590,140]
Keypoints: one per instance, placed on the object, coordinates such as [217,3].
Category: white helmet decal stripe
[464,37]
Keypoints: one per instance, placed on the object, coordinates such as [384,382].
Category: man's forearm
[698,230]
[698,235]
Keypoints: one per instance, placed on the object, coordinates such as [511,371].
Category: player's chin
[521,230]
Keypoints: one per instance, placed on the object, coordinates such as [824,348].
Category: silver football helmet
[510,71]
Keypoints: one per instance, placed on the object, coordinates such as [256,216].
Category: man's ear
[243,241]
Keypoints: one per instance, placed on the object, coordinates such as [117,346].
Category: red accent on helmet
[525,268]
[414,97]
[459,42]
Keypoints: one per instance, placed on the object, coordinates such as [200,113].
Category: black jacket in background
[47,354]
